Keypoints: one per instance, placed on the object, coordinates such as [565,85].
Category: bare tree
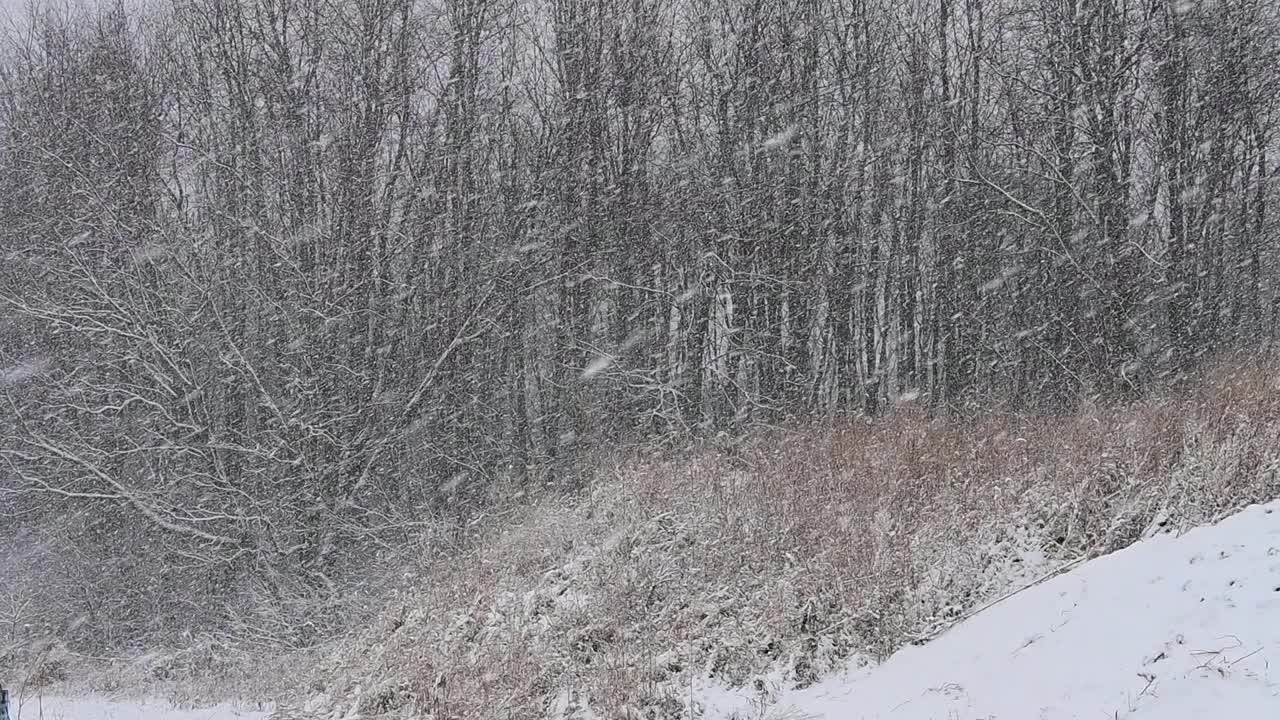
[286,280]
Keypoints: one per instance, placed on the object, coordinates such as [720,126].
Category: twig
[1246,657]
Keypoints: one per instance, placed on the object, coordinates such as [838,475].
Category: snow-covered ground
[56,708]
[1173,628]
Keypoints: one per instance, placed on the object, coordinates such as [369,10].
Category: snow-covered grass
[735,580]
[685,583]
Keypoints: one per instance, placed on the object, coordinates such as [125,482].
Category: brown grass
[796,552]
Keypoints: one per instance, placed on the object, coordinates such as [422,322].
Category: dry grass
[795,553]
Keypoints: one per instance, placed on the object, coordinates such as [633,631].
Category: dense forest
[282,279]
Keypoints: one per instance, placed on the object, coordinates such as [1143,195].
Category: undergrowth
[775,562]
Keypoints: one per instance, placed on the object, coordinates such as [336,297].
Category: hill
[1174,628]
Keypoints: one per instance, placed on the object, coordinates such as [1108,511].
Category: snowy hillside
[1172,628]
[1168,629]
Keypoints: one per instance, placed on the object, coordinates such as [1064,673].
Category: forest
[284,282]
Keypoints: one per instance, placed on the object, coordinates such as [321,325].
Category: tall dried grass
[790,554]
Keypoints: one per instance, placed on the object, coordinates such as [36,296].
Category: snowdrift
[1171,628]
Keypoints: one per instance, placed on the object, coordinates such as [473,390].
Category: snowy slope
[1174,628]
[98,709]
